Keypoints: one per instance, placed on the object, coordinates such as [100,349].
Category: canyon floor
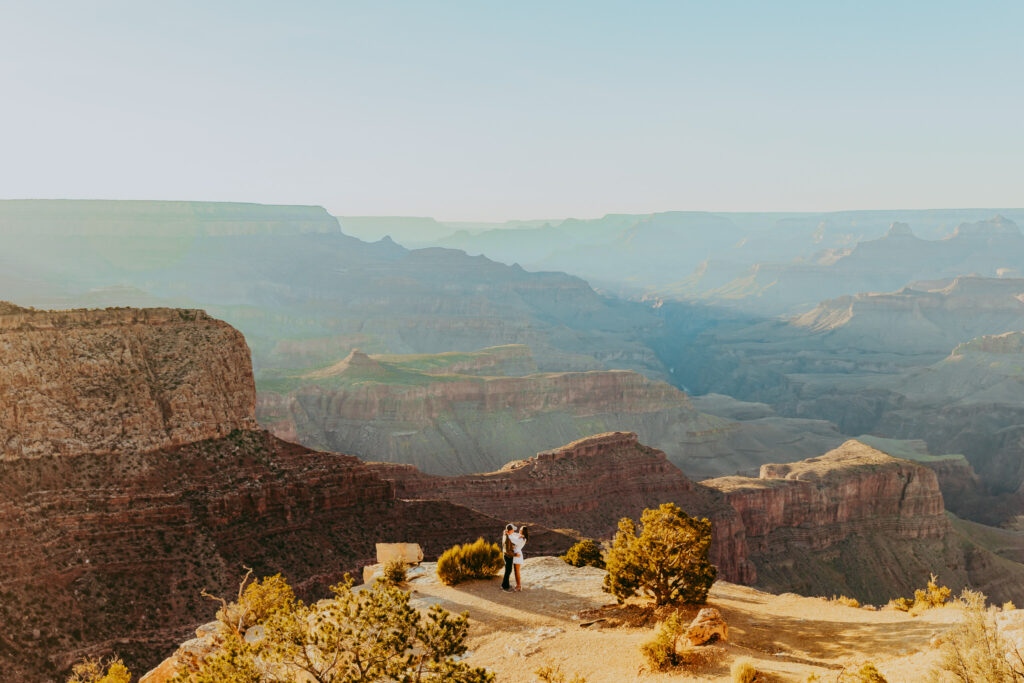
[563,617]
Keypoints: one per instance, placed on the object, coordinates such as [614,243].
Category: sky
[485,111]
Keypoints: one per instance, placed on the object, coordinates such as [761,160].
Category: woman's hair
[524,532]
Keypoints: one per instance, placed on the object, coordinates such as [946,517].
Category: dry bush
[477,560]
[1009,606]
[974,650]
[843,600]
[743,672]
[930,597]
[395,572]
[866,674]
[586,553]
[97,671]
[666,561]
[660,651]
[933,595]
[552,673]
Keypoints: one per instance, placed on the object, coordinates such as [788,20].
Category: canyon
[853,520]
[460,413]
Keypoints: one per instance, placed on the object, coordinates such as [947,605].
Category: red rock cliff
[854,519]
[118,380]
[587,485]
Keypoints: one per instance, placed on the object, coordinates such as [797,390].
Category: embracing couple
[512,542]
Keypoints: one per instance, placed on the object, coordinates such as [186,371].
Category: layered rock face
[456,413]
[857,521]
[587,485]
[126,379]
[132,479]
[109,552]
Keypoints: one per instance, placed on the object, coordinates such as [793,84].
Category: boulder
[706,627]
[410,553]
[371,572]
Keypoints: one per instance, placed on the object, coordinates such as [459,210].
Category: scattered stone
[706,627]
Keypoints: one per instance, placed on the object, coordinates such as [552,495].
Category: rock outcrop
[588,486]
[119,380]
[858,521]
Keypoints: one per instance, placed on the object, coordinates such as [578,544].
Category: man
[508,550]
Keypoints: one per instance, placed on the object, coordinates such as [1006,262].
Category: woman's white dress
[517,542]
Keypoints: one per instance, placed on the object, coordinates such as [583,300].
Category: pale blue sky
[481,110]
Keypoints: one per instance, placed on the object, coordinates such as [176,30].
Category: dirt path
[514,634]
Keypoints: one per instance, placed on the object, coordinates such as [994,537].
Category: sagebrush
[477,560]
[743,672]
[974,650]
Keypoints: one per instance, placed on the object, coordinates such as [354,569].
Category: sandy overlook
[788,635]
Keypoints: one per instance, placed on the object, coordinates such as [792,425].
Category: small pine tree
[586,553]
[667,561]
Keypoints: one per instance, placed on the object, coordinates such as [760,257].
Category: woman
[519,539]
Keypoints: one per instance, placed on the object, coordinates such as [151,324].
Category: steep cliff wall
[857,521]
[109,552]
[587,485]
[119,379]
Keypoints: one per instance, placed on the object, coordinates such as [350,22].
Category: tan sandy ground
[513,634]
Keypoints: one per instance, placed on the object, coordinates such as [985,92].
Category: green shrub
[660,652]
[667,561]
[477,560]
[743,672]
[395,572]
[586,553]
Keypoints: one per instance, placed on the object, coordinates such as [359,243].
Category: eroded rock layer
[858,521]
[461,413]
[119,380]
